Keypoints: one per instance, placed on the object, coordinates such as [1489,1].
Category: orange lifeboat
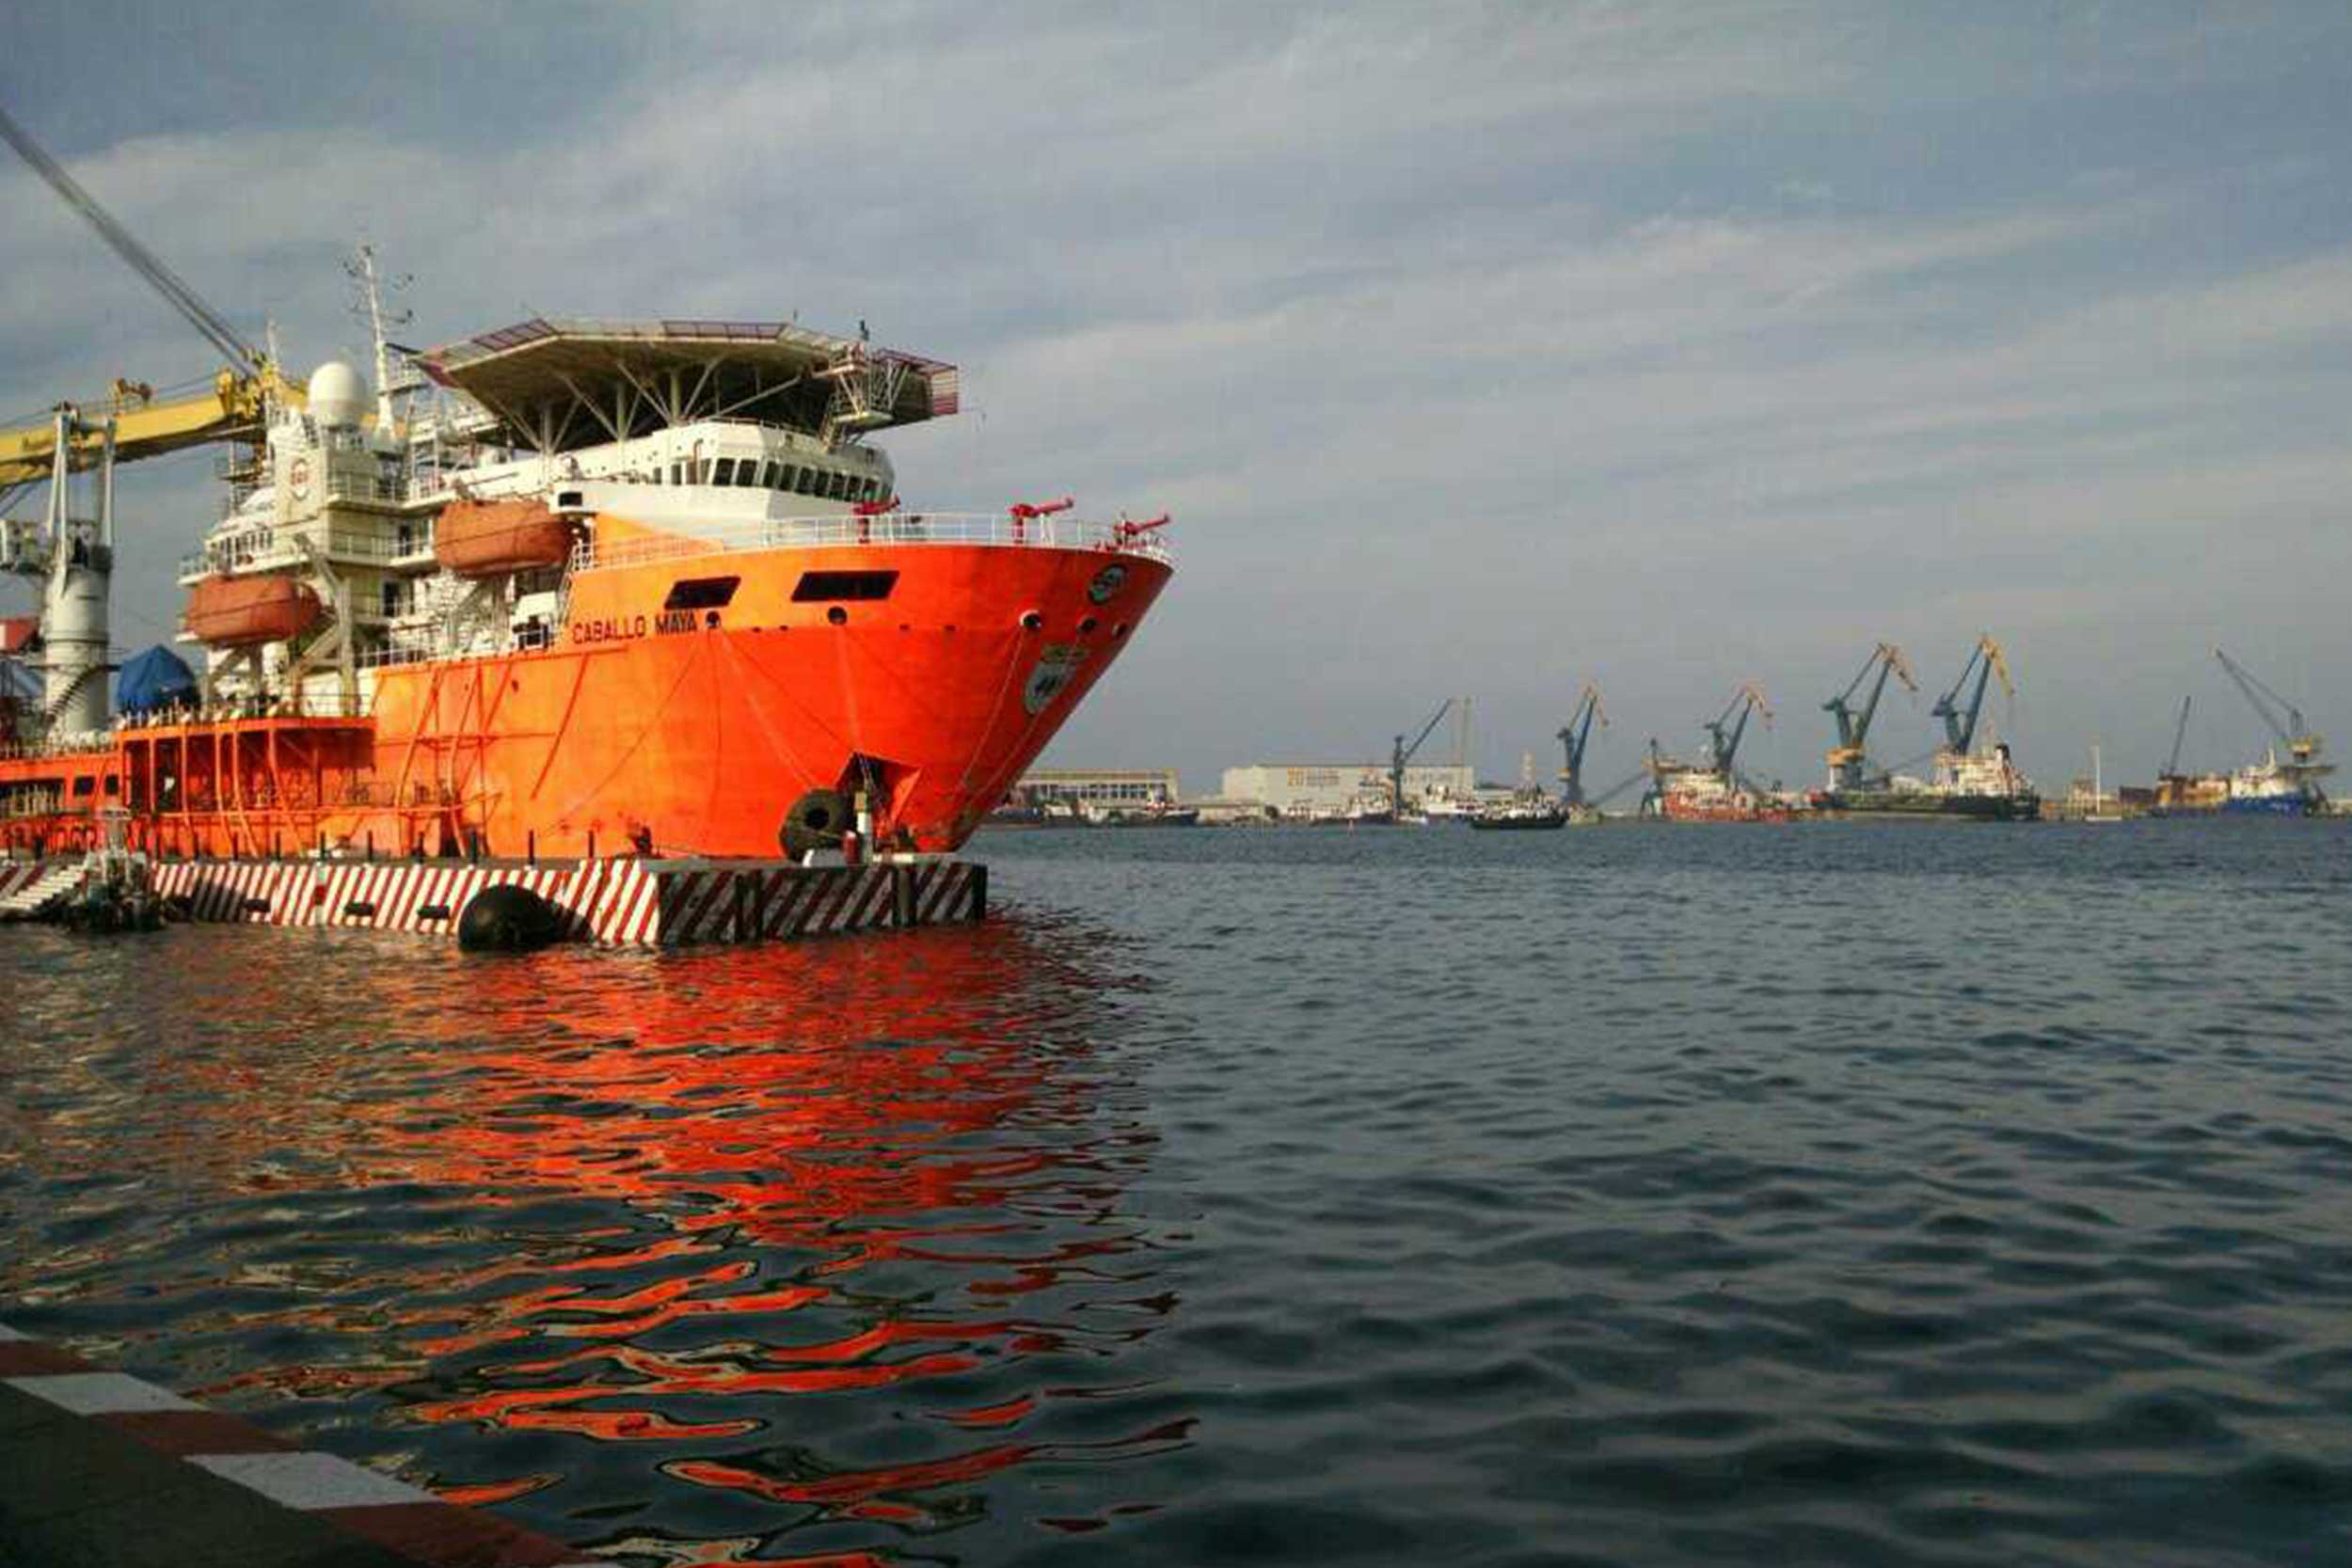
[238,612]
[483,539]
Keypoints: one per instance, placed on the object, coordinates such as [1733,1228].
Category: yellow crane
[145,426]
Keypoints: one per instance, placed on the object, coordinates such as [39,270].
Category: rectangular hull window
[827,587]
[701,593]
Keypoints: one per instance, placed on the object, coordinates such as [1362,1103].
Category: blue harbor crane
[1985,660]
[1403,754]
[2285,722]
[1848,768]
[1573,740]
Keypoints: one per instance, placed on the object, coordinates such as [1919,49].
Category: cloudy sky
[1476,349]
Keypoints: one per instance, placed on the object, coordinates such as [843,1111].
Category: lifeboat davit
[239,612]
[485,539]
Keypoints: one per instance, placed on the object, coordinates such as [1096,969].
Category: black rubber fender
[507,919]
[817,821]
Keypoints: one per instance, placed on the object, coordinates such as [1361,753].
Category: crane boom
[2285,718]
[126,244]
[2180,733]
[230,410]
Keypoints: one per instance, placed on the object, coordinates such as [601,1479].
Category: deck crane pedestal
[1849,766]
[72,559]
[1573,740]
[1401,753]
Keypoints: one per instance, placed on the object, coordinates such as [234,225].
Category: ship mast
[361,268]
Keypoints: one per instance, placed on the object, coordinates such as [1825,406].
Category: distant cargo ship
[2272,788]
[1986,787]
[1971,782]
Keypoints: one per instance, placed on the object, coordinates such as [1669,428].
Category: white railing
[268,548]
[890,528]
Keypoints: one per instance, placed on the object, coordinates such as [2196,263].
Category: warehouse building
[1114,787]
[1328,789]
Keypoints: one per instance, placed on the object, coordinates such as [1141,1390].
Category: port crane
[1401,753]
[2285,722]
[1573,740]
[1847,767]
[1985,660]
[1723,733]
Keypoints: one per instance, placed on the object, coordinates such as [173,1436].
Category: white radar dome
[338,396]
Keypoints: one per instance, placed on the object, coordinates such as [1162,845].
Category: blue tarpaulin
[156,678]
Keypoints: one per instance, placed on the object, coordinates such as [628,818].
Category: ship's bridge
[559,384]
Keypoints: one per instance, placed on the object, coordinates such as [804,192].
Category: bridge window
[725,473]
[83,785]
[747,473]
[821,587]
[701,593]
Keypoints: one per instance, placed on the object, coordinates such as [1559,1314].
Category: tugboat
[1528,809]
[1539,815]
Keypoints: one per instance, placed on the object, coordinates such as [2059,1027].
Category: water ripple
[1839,1195]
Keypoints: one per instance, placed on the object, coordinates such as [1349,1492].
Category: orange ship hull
[682,707]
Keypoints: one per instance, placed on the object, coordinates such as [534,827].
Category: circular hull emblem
[1107,582]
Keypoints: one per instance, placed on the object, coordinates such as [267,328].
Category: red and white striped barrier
[80,1436]
[617,903]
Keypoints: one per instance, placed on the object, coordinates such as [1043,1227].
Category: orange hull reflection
[702,1209]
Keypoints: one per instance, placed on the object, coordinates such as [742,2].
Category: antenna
[367,304]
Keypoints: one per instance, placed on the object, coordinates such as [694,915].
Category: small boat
[1534,816]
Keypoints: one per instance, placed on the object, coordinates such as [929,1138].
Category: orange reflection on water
[618,1187]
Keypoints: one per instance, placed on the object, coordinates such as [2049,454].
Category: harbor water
[1857,1193]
